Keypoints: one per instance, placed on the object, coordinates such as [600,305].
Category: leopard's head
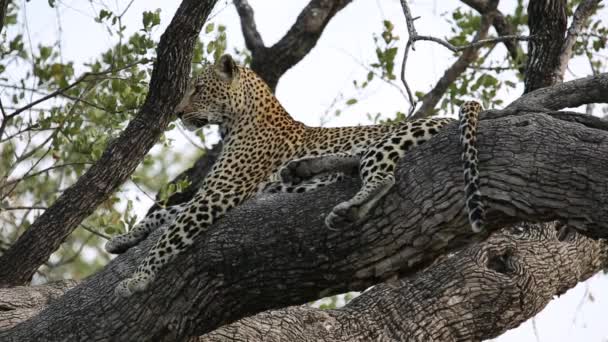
[214,97]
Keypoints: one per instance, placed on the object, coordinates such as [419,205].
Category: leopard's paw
[343,215]
[139,282]
[119,244]
[299,170]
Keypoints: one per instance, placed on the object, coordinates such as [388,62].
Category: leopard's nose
[179,114]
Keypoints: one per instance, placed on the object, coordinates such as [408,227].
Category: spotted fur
[265,149]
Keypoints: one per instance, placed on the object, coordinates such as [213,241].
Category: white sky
[308,89]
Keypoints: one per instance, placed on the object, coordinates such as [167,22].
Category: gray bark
[20,303]
[275,251]
[547,21]
[473,295]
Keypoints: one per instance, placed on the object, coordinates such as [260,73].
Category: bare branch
[37,173]
[430,99]
[414,37]
[582,13]
[592,89]
[34,207]
[94,232]
[4,120]
[502,27]
[253,40]
[272,62]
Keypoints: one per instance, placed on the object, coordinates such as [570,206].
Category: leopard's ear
[226,68]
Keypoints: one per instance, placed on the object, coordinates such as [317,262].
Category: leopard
[266,150]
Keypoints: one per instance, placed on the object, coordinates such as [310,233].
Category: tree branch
[253,40]
[272,62]
[514,275]
[20,303]
[592,89]
[257,258]
[468,56]
[413,37]
[501,25]
[547,22]
[121,157]
[584,10]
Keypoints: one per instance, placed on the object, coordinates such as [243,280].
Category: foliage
[45,148]
[487,79]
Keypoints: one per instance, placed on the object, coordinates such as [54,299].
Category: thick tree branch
[582,13]
[592,89]
[496,285]
[547,22]
[257,258]
[20,303]
[121,157]
[272,62]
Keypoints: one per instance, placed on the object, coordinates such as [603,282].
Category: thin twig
[93,231]
[41,172]
[35,207]
[75,83]
[414,37]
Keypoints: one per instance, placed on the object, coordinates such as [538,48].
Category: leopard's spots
[260,140]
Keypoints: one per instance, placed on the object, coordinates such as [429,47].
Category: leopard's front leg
[195,219]
[120,243]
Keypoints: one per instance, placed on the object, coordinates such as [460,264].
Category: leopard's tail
[469,117]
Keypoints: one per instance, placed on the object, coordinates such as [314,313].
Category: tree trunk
[474,295]
[121,157]
[547,21]
[275,251]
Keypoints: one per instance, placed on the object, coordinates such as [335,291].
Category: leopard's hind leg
[377,170]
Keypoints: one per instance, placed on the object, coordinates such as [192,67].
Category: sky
[309,88]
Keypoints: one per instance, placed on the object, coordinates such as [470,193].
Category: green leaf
[209,27]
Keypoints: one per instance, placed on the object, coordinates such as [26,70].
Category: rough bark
[474,295]
[533,167]
[20,303]
[547,22]
[121,157]
[272,62]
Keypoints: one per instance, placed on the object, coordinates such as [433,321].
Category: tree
[240,268]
